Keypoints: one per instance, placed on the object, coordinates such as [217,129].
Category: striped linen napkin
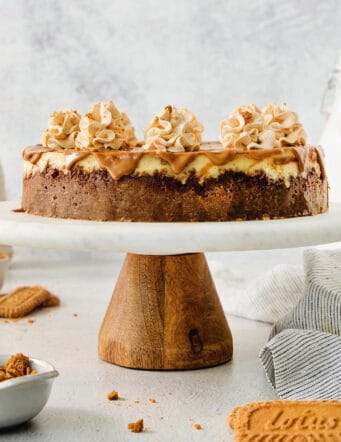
[302,360]
[263,296]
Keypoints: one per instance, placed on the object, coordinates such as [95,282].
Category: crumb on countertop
[112,396]
[198,427]
[152,401]
[136,427]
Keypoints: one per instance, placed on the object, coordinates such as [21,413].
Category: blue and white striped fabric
[302,360]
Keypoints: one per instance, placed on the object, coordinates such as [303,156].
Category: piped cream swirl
[173,130]
[285,124]
[250,128]
[63,128]
[105,127]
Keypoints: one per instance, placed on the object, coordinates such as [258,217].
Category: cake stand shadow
[165,313]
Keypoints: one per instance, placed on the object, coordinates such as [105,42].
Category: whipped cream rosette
[173,130]
[105,127]
[285,125]
[250,128]
[63,128]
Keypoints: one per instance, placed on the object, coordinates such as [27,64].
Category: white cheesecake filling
[280,166]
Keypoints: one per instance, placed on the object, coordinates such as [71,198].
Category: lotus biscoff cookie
[287,421]
[23,300]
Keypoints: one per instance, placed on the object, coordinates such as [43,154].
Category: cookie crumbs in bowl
[112,396]
[16,366]
[136,427]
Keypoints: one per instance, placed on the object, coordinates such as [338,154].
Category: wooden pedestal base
[165,314]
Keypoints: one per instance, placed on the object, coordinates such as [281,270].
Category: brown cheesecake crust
[95,195]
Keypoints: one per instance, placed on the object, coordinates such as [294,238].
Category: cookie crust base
[232,196]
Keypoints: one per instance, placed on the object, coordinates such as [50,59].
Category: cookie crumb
[136,427]
[152,401]
[75,315]
[198,427]
[112,396]
[30,321]
[137,401]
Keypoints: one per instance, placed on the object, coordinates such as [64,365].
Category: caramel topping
[222,157]
[121,163]
[34,153]
[177,162]
[173,130]
[71,159]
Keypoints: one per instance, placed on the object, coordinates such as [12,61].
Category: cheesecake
[93,167]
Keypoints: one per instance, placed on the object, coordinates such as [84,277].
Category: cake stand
[165,313]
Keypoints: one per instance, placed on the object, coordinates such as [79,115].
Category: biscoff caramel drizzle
[120,163]
[71,159]
[320,159]
[34,153]
[176,162]
[302,155]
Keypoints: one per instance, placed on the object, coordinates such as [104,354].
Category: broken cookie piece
[24,300]
[16,366]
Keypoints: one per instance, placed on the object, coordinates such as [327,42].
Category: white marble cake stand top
[21,229]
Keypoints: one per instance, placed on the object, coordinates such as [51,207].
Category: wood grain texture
[165,314]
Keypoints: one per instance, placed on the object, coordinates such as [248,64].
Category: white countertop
[78,408]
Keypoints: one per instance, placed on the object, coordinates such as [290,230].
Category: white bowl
[24,397]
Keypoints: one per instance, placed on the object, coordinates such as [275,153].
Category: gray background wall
[209,56]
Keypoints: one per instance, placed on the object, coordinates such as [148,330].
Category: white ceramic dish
[24,397]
